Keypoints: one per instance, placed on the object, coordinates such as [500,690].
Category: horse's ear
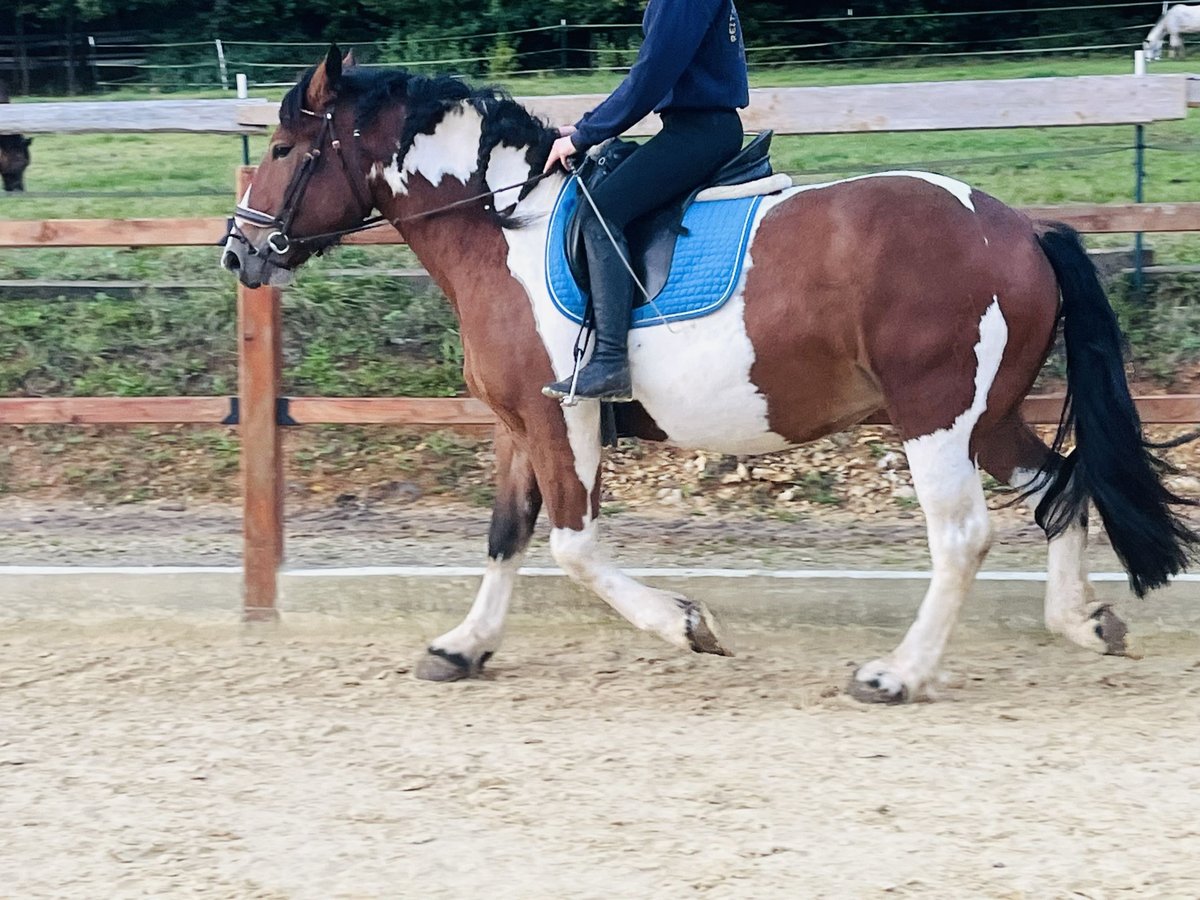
[322,87]
[348,61]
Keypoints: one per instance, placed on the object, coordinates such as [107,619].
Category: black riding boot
[606,376]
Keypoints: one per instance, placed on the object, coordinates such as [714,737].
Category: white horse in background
[1177,21]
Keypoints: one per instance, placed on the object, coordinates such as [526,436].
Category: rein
[280,242]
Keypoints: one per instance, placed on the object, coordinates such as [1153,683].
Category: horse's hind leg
[938,443]
[463,651]
[951,496]
[1012,453]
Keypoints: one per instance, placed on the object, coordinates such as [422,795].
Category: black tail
[1111,463]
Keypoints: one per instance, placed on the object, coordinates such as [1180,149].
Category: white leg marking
[1070,598]
[670,616]
[951,495]
[483,628]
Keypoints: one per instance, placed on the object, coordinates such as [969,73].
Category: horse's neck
[468,253]
[1157,32]
[466,250]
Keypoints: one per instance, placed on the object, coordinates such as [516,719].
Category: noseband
[280,241]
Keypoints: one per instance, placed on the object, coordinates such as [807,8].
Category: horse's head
[14,160]
[1152,48]
[310,185]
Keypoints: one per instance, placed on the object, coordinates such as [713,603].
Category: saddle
[652,238]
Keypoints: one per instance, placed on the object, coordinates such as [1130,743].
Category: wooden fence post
[260,361]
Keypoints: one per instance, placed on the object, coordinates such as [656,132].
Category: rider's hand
[562,150]
[566,130]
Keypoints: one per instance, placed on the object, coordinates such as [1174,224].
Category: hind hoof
[876,683]
[439,665]
[701,630]
[1111,630]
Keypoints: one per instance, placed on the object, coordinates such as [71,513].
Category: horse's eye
[279,151]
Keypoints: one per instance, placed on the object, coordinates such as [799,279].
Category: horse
[1177,21]
[907,292]
[14,153]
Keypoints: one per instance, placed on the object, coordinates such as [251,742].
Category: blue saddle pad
[704,272]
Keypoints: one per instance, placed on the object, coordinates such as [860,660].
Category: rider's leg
[692,145]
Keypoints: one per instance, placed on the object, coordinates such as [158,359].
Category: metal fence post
[1139,181]
[221,69]
[260,361]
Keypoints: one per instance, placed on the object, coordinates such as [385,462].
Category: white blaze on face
[452,149]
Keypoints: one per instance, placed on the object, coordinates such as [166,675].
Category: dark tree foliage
[403,30]
[374,19]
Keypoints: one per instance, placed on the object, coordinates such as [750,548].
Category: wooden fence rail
[261,413]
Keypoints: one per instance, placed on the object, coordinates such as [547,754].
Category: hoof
[1111,630]
[440,665]
[874,683]
[702,629]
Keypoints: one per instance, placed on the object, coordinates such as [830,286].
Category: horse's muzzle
[253,269]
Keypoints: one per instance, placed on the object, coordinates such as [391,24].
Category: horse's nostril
[230,261]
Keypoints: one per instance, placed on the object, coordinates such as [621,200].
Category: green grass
[376,337]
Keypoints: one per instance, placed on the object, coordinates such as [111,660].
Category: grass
[372,336]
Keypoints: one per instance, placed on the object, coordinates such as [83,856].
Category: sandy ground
[195,759]
[152,753]
[72,533]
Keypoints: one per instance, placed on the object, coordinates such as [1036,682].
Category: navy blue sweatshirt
[692,58]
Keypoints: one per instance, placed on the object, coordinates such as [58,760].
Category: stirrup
[570,391]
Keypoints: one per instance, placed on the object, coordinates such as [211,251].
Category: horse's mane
[427,99]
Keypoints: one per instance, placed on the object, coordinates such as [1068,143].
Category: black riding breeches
[692,145]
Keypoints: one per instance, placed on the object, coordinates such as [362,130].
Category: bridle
[280,241]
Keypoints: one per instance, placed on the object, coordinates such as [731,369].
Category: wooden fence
[260,412]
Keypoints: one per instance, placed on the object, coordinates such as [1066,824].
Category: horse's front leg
[462,652]
[568,471]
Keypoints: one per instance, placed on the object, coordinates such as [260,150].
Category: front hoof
[441,665]
[875,683]
[1111,630]
[701,630]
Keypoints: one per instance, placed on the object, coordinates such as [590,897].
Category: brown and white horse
[906,292]
[14,154]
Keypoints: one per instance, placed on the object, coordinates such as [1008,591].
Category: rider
[692,71]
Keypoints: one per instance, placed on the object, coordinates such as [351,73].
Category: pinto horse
[907,292]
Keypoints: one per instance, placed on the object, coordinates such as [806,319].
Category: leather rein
[281,242]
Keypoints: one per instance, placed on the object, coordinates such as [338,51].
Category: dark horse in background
[14,153]
[908,292]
